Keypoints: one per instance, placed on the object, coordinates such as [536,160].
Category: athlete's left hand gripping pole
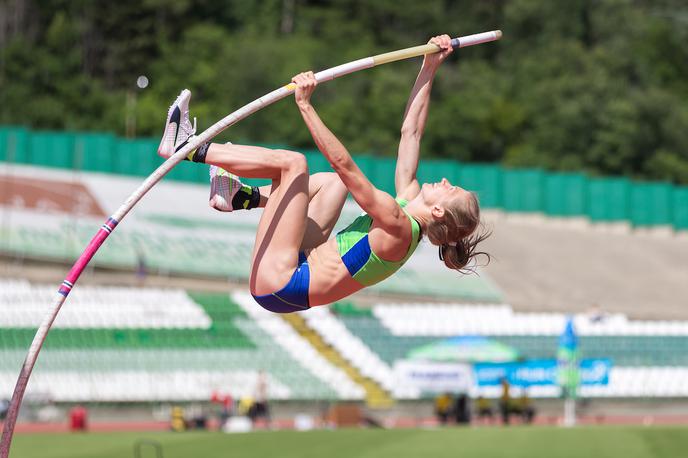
[107,228]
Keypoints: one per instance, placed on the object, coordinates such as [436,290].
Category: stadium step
[376,396]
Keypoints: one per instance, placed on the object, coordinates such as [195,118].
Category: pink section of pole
[30,361]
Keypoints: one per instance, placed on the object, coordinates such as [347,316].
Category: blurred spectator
[462,411]
[49,413]
[226,402]
[177,421]
[245,405]
[141,270]
[596,315]
[78,418]
[4,407]
[524,407]
[260,408]
[443,405]
[484,409]
[505,402]
[198,417]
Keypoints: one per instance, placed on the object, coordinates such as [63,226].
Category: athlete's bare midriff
[330,280]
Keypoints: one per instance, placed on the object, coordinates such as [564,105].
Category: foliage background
[592,85]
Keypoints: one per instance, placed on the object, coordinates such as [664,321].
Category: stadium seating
[650,358]
[298,347]
[136,344]
[335,333]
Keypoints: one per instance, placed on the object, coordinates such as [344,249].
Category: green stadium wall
[610,199]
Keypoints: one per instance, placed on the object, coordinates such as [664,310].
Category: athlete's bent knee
[295,163]
[337,183]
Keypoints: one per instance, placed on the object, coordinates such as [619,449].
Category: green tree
[593,85]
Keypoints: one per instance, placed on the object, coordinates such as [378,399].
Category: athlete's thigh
[327,197]
[280,233]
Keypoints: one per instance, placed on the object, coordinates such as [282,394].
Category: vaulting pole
[109,226]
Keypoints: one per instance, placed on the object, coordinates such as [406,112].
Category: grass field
[516,442]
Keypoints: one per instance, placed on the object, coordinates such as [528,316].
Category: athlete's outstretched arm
[416,114]
[378,204]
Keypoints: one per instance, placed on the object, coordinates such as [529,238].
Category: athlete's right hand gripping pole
[430,48]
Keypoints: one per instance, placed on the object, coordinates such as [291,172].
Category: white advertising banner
[433,377]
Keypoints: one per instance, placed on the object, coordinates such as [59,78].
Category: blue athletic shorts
[294,296]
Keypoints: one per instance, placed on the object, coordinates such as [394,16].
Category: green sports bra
[363,264]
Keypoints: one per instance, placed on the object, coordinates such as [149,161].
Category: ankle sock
[198,155]
[247,197]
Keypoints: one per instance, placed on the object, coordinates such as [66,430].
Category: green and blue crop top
[363,264]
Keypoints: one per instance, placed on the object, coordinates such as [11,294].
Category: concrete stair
[376,396]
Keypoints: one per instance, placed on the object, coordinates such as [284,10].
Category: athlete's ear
[437,211]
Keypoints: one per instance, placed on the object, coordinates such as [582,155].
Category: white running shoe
[178,128]
[223,188]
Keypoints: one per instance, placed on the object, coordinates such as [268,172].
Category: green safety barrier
[486,180]
[189,172]
[608,199]
[367,165]
[383,174]
[434,170]
[53,149]
[317,162]
[565,194]
[523,190]
[95,152]
[133,157]
[515,190]
[680,206]
[13,144]
[651,204]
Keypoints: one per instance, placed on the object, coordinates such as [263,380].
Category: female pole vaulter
[295,265]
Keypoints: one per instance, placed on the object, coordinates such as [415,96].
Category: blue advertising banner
[541,372]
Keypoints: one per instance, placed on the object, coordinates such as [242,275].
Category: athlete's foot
[178,128]
[228,193]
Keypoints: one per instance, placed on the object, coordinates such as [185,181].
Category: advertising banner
[542,372]
[433,377]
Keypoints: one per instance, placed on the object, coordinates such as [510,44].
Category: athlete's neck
[420,212]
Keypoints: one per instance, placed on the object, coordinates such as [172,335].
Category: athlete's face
[442,192]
